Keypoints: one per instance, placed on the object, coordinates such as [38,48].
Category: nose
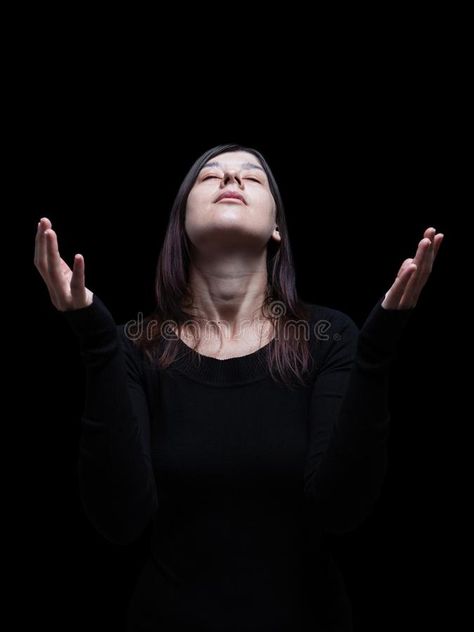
[230,177]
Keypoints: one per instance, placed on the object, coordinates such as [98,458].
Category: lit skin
[414,273]
[232,285]
[228,270]
[66,287]
[230,223]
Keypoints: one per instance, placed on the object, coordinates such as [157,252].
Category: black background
[364,167]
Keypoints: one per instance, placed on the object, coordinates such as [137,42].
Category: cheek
[192,203]
[191,198]
[197,199]
[194,211]
[271,206]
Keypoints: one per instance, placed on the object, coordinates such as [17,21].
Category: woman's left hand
[414,273]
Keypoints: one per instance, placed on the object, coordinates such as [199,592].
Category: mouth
[231,196]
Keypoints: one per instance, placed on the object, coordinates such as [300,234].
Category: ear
[276,235]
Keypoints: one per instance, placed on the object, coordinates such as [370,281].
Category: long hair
[290,356]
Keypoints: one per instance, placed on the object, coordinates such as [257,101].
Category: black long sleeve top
[238,477]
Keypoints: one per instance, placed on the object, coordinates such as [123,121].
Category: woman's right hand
[66,287]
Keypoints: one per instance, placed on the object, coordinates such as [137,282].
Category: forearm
[116,481]
[346,480]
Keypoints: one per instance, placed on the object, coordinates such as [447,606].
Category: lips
[231,194]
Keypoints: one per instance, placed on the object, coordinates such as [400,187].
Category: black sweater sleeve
[116,480]
[349,420]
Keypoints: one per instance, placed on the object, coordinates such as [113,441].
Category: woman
[238,421]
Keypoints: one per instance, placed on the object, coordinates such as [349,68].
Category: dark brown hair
[288,356]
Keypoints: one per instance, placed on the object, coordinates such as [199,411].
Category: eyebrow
[244,165]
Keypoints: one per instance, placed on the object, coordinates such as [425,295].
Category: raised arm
[349,416]
[116,480]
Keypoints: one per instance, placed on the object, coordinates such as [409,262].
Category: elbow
[342,514]
[121,518]
[123,537]
[117,528]
[341,521]
[344,503]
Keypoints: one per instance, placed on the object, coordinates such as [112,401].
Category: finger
[413,288]
[410,291]
[398,288]
[53,258]
[41,260]
[404,265]
[408,300]
[435,239]
[430,233]
[37,242]
[422,250]
[418,280]
[437,243]
[423,260]
[78,277]
[395,288]
[416,285]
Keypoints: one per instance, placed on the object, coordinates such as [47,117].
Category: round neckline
[201,355]
[223,372]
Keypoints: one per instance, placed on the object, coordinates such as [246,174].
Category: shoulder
[134,356]
[333,336]
[328,321]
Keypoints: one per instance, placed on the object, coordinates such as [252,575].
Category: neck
[229,291]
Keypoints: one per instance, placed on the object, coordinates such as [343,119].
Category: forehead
[236,160]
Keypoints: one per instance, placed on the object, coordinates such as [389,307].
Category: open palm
[66,287]
[414,273]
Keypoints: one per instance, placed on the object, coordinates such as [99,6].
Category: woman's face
[246,220]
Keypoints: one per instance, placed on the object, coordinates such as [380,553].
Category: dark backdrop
[360,183]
